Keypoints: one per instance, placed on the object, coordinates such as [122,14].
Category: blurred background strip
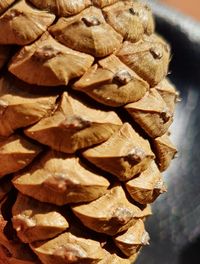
[189,7]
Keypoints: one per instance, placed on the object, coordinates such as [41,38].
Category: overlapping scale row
[85,108]
[110,214]
[68,248]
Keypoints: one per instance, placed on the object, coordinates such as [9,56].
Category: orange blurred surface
[189,7]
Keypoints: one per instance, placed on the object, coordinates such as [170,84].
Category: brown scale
[12,250]
[112,83]
[19,108]
[4,4]
[147,186]
[131,19]
[103,3]
[113,259]
[131,241]
[165,151]
[23,24]
[52,63]
[60,179]
[74,126]
[69,248]
[169,93]
[149,58]
[86,33]
[16,153]
[151,113]
[124,154]
[62,8]
[35,221]
[110,214]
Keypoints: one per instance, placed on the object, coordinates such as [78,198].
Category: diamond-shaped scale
[74,125]
[34,221]
[49,63]
[60,178]
[112,83]
[87,32]
[124,155]
[151,113]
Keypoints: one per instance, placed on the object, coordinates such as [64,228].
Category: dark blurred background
[175,225]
